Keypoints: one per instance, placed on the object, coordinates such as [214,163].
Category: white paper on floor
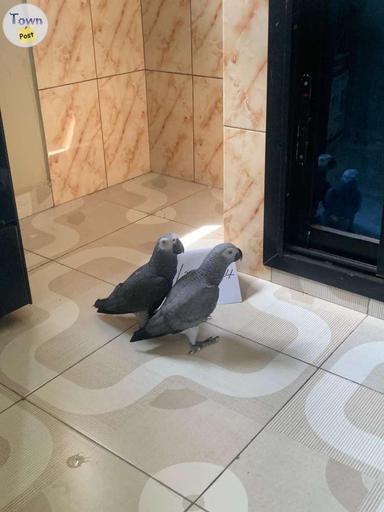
[229,287]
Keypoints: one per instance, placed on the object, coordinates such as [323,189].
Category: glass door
[336,184]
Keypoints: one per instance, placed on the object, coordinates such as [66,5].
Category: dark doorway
[325,142]
[14,286]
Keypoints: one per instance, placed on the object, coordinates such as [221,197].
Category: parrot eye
[230,251]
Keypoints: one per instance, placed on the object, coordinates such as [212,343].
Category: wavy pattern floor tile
[62,229]
[277,474]
[34,260]
[203,208]
[361,356]
[7,398]
[289,321]
[114,257]
[150,192]
[46,467]
[340,419]
[61,327]
[178,417]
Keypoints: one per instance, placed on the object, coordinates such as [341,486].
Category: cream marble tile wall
[183,59]
[245,41]
[91,81]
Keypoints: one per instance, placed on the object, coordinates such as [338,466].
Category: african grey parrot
[192,299]
[343,201]
[144,291]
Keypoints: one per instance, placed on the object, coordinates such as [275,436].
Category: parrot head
[229,252]
[350,175]
[170,242]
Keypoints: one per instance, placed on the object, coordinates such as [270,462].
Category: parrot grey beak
[239,255]
[178,247]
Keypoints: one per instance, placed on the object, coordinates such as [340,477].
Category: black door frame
[309,263]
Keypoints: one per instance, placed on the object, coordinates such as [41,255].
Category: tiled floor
[285,413]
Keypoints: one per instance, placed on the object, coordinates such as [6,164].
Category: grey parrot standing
[144,291]
[192,299]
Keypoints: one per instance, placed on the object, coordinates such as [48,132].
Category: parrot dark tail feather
[102,307]
[140,334]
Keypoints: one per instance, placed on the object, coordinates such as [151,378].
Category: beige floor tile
[276,473]
[114,257]
[204,208]
[45,466]
[195,508]
[361,356]
[150,192]
[61,327]
[7,398]
[339,419]
[180,418]
[62,229]
[376,308]
[34,260]
[322,291]
[292,322]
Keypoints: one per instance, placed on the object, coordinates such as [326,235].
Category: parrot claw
[199,345]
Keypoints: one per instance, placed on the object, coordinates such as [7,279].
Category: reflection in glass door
[350,181]
[337,178]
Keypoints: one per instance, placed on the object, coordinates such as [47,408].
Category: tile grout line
[25,397]
[56,259]
[103,447]
[98,94]
[91,79]
[146,84]
[257,435]
[318,296]
[179,222]
[89,195]
[10,406]
[66,253]
[78,269]
[263,345]
[344,340]
[312,365]
[84,273]
[244,129]
[154,212]
[193,94]
[6,386]
[183,74]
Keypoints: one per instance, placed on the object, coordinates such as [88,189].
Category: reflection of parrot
[324,164]
[192,299]
[342,201]
[144,291]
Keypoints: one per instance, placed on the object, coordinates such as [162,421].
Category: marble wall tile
[167,35]
[207,37]
[72,126]
[66,55]
[245,63]
[208,123]
[118,36]
[244,161]
[125,126]
[170,124]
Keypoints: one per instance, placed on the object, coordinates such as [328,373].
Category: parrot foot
[199,345]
